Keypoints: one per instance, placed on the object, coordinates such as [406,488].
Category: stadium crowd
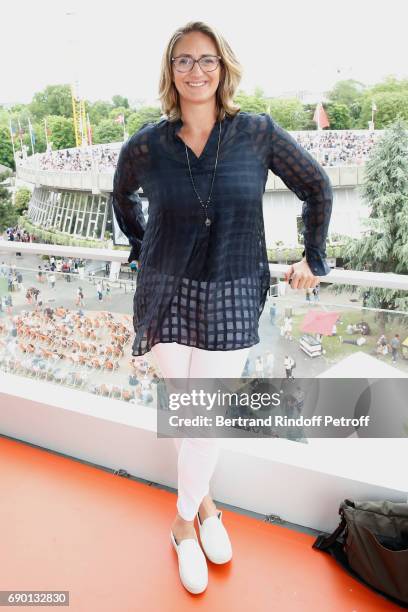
[338,148]
[99,157]
[330,148]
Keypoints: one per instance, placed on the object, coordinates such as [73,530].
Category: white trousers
[197,457]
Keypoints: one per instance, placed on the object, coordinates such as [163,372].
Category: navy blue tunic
[207,286]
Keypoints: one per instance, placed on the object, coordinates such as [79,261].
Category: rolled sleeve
[303,175]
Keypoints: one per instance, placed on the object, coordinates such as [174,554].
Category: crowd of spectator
[338,148]
[100,158]
[329,147]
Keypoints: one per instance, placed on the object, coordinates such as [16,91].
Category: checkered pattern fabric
[206,286]
[215,316]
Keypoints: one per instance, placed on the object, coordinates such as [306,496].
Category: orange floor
[66,525]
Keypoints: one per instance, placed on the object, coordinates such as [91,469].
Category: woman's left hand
[300,276]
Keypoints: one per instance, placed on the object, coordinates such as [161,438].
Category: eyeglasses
[185,63]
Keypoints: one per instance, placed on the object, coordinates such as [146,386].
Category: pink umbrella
[319,322]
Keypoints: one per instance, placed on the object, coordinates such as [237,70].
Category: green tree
[355,112]
[120,101]
[390,105]
[289,113]
[384,245]
[62,132]
[98,110]
[22,199]
[6,148]
[308,110]
[251,104]
[4,116]
[148,114]
[391,99]
[390,85]
[53,100]
[17,109]
[346,92]
[133,123]
[108,131]
[8,214]
[40,142]
[339,116]
[349,93]
[5,175]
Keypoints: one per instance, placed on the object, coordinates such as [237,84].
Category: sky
[116,47]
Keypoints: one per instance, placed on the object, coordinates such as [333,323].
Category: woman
[204,273]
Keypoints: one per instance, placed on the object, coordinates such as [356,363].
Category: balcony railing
[67,361]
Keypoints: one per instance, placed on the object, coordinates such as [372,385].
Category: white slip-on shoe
[192,563]
[214,538]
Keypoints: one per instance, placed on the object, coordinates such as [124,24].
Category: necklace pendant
[208,222]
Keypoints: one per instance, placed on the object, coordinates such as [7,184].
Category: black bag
[374,547]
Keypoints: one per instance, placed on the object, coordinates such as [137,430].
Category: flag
[32,133]
[88,129]
[320,117]
[20,133]
[120,119]
[12,131]
[47,132]
[32,136]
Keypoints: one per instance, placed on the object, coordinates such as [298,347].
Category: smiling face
[196,44]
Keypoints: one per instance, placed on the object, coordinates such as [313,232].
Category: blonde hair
[230,76]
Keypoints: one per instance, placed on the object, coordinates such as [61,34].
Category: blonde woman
[204,273]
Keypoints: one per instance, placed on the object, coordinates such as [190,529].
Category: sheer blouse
[199,285]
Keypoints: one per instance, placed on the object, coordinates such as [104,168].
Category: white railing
[37,248]
[360,278]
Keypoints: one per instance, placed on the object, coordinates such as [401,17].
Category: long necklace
[205,205]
